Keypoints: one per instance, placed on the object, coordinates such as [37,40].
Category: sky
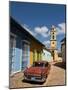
[38,19]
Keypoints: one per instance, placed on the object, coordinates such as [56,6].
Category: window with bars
[12,53]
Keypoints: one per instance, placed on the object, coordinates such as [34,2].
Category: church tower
[53,42]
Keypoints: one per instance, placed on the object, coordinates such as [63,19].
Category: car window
[38,64]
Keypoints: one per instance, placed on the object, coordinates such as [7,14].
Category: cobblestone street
[56,77]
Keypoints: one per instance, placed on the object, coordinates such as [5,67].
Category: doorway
[25,55]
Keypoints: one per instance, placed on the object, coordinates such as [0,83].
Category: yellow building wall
[35,47]
[31,57]
[56,55]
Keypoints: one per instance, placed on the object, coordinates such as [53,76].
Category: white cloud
[61,28]
[47,43]
[42,31]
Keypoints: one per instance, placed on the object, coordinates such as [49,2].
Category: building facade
[35,51]
[47,56]
[63,49]
[24,48]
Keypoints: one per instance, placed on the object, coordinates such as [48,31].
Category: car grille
[30,76]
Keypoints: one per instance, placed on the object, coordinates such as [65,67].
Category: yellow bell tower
[53,42]
[53,38]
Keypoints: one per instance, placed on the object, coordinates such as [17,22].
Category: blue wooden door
[25,55]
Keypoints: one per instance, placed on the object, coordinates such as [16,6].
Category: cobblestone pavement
[55,77]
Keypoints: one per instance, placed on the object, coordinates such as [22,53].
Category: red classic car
[37,72]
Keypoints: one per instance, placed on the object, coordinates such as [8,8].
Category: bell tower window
[53,37]
[53,32]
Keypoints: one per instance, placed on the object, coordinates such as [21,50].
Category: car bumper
[34,79]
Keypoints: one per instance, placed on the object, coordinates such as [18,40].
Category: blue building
[21,48]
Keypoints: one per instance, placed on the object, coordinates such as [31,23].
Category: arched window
[53,32]
[53,37]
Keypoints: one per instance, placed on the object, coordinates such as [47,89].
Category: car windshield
[36,64]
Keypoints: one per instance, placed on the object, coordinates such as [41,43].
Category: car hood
[34,70]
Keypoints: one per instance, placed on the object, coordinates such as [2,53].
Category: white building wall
[46,56]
